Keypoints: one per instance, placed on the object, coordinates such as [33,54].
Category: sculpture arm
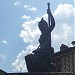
[52,23]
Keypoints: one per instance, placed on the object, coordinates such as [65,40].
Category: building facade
[65,60]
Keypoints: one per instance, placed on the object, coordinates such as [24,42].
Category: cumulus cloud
[62,33]
[65,13]
[25,17]
[17,3]
[29,7]
[64,30]
[30,31]
[5,42]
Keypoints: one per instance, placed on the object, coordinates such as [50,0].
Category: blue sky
[14,38]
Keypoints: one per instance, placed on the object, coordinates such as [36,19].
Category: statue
[63,47]
[45,38]
[41,59]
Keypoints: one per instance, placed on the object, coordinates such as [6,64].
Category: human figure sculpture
[40,59]
[46,31]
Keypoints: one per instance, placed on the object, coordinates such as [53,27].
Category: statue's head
[43,26]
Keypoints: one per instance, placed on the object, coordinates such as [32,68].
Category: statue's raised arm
[51,21]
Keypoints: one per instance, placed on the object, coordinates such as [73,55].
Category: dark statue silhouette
[41,59]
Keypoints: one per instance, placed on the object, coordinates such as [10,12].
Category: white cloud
[19,64]
[65,13]
[2,57]
[62,33]
[32,9]
[19,61]
[17,3]
[64,17]
[28,7]
[25,17]
[30,31]
[5,42]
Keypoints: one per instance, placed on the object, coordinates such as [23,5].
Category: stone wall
[65,60]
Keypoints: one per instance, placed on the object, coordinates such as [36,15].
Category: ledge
[41,73]
[35,73]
